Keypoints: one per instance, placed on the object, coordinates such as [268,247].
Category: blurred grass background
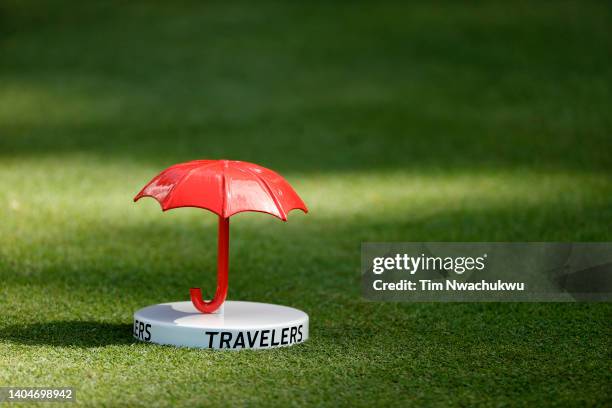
[429,121]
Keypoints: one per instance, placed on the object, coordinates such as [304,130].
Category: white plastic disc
[240,325]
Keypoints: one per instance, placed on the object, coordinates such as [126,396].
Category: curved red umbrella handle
[222,268]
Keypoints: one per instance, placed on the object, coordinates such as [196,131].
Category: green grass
[426,122]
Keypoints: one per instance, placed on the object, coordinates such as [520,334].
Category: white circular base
[239,325]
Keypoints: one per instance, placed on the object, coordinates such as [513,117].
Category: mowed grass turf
[424,122]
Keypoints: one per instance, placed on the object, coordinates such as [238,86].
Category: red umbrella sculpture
[225,187]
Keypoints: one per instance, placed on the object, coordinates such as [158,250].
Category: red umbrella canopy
[225,187]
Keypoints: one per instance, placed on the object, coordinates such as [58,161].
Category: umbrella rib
[269,191]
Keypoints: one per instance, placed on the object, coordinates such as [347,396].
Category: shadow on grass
[270,262]
[294,105]
[69,333]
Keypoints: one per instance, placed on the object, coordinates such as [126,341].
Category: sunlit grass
[74,195]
